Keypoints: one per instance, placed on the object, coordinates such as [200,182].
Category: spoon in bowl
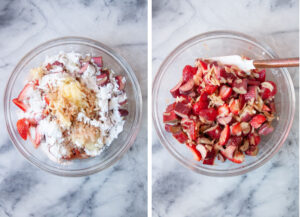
[246,65]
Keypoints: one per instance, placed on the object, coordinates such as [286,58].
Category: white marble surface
[120,190]
[271,190]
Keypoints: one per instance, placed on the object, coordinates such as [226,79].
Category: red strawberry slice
[123,112]
[221,74]
[225,134]
[238,157]
[23,127]
[188,72]
[98,61]
[175,90]
[225,92]
[262,75]
[171,107]
[172,128]
[265,129]
[223,110]
[182,110]
[20,104]
[266,108]
[170,117]
[240,86]
[180,136]
[235,141]
[24,91]
[234,106]
[202,64]
[210,158]
[48,66]
[268,89]
[203,150]
[120,82]
[214,132]
[229,151]
[209,114]
[257,121]
[246,128]
[196,153]
[252,93]
[247,114]
[236,129]
[210,89]
[187,86]
[224,120]
[201,104]
[254,139]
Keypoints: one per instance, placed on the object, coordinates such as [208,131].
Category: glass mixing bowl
[111,59]
[212,44]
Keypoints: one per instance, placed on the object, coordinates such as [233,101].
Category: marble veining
[120,190]
[269,191]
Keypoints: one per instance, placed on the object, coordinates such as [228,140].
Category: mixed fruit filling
[221,111]
[72,106]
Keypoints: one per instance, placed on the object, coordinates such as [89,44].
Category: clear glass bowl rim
[164,65]
[79,41]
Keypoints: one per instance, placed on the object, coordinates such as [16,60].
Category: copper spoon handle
[276,63]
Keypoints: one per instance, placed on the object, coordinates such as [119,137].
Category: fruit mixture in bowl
[72,107]
[221,111]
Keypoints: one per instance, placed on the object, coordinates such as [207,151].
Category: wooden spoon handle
[276,63]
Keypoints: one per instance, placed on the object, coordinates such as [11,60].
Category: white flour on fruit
[75,109]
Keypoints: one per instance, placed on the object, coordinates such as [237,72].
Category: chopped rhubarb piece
[252,151]
[241,101]
[240,86]
[246,128]
[265,129]
[180,136]
[234,106]
[182,110]
[175,90]
[196,153]
[225,134]
[214,132]
[187,86]
[24,91]
[245,145]
[188,72]
[203,150]
[123,112]
[20,104]
[224,120]
[223,110]
[229,151]
[236,129]
[98,61]
[170,117]
[225,92]
[210,89]
[221,74]
[23,127]
[273,107]
[247,114]
[172,128]
[202,64]
[201,104]
[190,128]
[268,89]
[254,139]
[210,158]
[102,79]
[252,82]
[252,93]
[262,75]
[83,68]
[257,121]
[171,107]
[209,114]
[235,141]
[120,82]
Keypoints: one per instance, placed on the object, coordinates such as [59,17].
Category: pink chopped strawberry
[236,129]
[182,110]
[187,86]
[210,89]
[201,104]
[223,110]
[48,66]
[225,134]
[234,106]
[202,64]
[229,151]
[257,121]
[235,141]
[180,136]
[225,120]
[175,90]
[203,150]
[20,104]
[252,93]
[221,74]
[225,92]
[23,127]
[23,94]
[214,132]
[246,128]
[98,61]
[209,114]
[238,157]
[196,153]
[188,72]
[120,82]
[170,117]
[190,128]
[268,89]
[265,129]
[171,107]
[240,86]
